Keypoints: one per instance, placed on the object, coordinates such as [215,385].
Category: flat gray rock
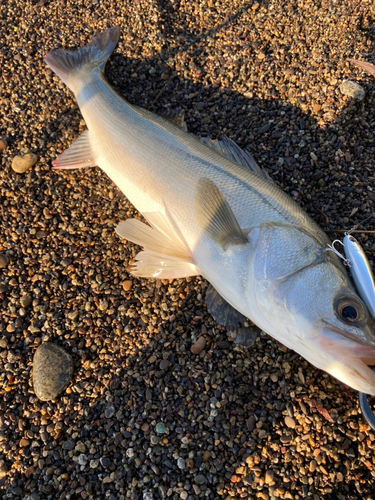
[52,371]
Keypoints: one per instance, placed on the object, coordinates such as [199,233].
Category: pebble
[199,345]
[269,477]
[23,163]
[181,463]
[68,445]
[164,364]
[352,89]
[4,260]
[52,371]
[200,479]
[274,377]
[109,411]
[285,439]
[160,428]
[127,284]
[290,422]
[26,300]
[3,145]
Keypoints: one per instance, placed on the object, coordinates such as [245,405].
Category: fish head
[306,299]
[329,324]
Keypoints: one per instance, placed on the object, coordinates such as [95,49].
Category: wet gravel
[162,404]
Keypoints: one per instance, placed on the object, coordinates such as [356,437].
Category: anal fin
[79,155]
[243,331]
[155,265]
[166,254]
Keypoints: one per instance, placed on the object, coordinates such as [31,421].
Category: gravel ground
[145,417]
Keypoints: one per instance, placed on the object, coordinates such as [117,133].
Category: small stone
[81,447]
[34,496]
[164,364]
[290,422]
[126,285]
[65,262]
[312,465]
[52,371]
[285,439]
[352,89]
[160,428]
[4,260]
[26,300]
[16,491]
[250,423]
[105,462]
[196,489]
[109,411]
[200,479]
[23,163]
[3,144]
[316,108]
[103,305]
[47,215]
[68,445]
[181,463]
[3,471]
[274,377]
[199,345]
[269,477]
[145,427]
[24,442]
[82,459]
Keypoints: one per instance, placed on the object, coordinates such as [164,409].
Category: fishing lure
[361,271]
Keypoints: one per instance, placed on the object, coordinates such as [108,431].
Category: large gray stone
[52,371]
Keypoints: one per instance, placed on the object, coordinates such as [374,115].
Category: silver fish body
[211,216]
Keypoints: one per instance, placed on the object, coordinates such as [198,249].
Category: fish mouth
[348,360]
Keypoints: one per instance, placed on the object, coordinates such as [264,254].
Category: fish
[210,210]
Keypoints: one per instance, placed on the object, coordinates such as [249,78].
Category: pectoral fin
[238,326]
[166,254]
[79,155]
[215,216]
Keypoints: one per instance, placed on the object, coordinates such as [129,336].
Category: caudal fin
[92,55]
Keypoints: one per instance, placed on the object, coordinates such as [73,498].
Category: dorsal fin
[175,116]
[229,150]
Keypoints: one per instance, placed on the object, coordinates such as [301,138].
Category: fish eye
[349,313]
[350,310]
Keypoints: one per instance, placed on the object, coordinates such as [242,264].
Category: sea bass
[212,212]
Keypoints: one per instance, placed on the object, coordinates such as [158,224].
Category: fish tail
[95,54]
